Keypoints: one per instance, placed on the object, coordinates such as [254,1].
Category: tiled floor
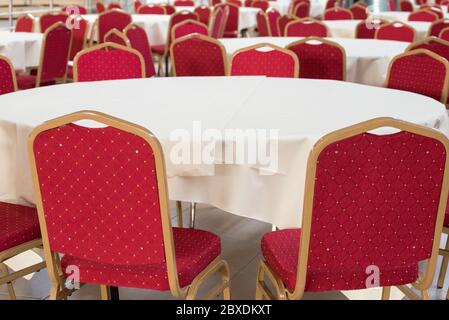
[240,242]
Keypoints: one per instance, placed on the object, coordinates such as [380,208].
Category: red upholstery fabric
[358,12]
[137,5]
[114,6]
[100,7]
[263,25]
[434,46]
[74,9]
[218,22]
[138,39]
[158,49]
[367,29]
[437,26]
[151,9]
[115,37]
[446,220]
[49,19]
[434,9]
[18,225]
[232,23]
[306,29]
[194,249]
[392,5]
[375,203]
[331,3]
[238,3]
[181,30]
[6,76]
[418,73]
[198,57]
[319,60]
[337,13]
[272,63]
[177,18]
[273,16]
[214,2]
[28,81]
[422,16]
[444,34]
[204,13]
[25,24]
[283,21]
[184,3]
[113,19]
[169,9]
[421,2]
[406,6]
[302,10]
[79,36]
[398,33]
[261,4]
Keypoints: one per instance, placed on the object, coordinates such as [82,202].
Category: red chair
[218,23]
[198,55]
[261,4]
[435,9]
[301,10]
[397,31]
[138,40]
[19,232]
[436,27]
[320,58]
[421,2]
[332,4]
[188,27]
[100,7]
[74,9]
[444,34]
[111,19]
[137,5]
[366,29]
[348,232]
[117,37]
[306,27]
[337,13]
[53,60]
[169,9]
[263,25]
[79,36]
[8,76]
[114,5]
[151,9]
[392,5]
[49,19]
[420,71]
[273,15]
[264,59]
[283,21]
[423,15]
[232,22]
[129,240]
[238,3]
[405,5]
[358,11]
[25,23]
[213,3]
[204,13]
[184,3]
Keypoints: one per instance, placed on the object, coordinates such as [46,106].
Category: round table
[22,48]
[292,114]
[367,60]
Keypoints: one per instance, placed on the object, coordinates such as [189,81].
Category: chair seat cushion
[194,249]
[25,81]
[159,49]
[280,251]
[18,225]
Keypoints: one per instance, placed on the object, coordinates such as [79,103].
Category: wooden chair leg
[54,291]
[179,213]
[11,293]
[104,291]
[444,265]
[386,293]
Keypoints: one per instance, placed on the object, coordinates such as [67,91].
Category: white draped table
[22,48]
[367,60]
[399,15]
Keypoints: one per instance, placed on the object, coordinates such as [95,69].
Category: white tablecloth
[22,48]
[302,111]
[316,6]
[346,28]
[366,60]
[399,15]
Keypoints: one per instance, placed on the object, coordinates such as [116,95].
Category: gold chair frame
[13,73]
[395,23]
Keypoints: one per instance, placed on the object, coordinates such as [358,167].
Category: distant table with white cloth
[22,48]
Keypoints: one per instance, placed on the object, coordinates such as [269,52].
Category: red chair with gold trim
[188,27]
[137,5]
[151,9]
[358,11]
[238,3]
[116,37]
[8,75]
[423,15]
[263,25]
[366,29]
[436,27]
[25,23]
[306,27]
[232,21]
[99,5]
[198,55]
[337,13]
[261,4]
[332,4]
[320,58]
[114,5]
[123,237]
[301,10]
[406,6]
[264,59]
[204,14]
[79,36]
[365,224]
[397,31]
[283,21]
[444,34]
[49,19]
[138,40]
[111,19]
[184,3]
[218,23]
[273,15]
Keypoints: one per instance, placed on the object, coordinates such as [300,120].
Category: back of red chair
[79,36]
[238,3]
[137,5]
[444,34]
[232,21]
[420,71]
[218,24]
[439,46]
[358,11]
[406,5]
[114,5]
[100,7]
[436,27]
[25,23]
[151,9]
[111,19]
[423,15]
[169,9]
[320,59]
[397,31]
[177,18]
[261,4]
[188,27]
[435,9]
[138,39]
[184,3]
[273,15]
[331,4]
[302,10]
[198,55]
[116,36]
[337,13]
[106,205]
[263,25]
[421,2]
[366,29]
[74,9]
[306,28]
[108,61]
[214,2]
[264,60]
[49,19]
[8,75]
[283,21]
[204,14]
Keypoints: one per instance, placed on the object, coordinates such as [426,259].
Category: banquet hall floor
[240,247]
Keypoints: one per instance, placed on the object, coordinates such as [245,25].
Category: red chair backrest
[114,6]
[151,9]
[108,201]
[219,18]
[238,3]
[421,2]
[49,19]
[444,34]
[25,23]
[366,29]
[261,4]
[395,31]
[116,36]
[439,46]
[74,9]
[101,63]
[437,26]
[263,25]
[111,19]
[283,21]
[232,21]
[273,15]
[423,15]
[306,28]
[392,5]
[435,9]
[169,9]
[337,13]
[406,5]
[100,7]
[137,5]
[331,4]
[8,75]
[320,59]
[184,3]
[214,2]
[420,71]
[198,55]
[177,18]
[358,12]
[79,35]
[188,27]
[256,61]
[204,13]
[302,10]
[138,39]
